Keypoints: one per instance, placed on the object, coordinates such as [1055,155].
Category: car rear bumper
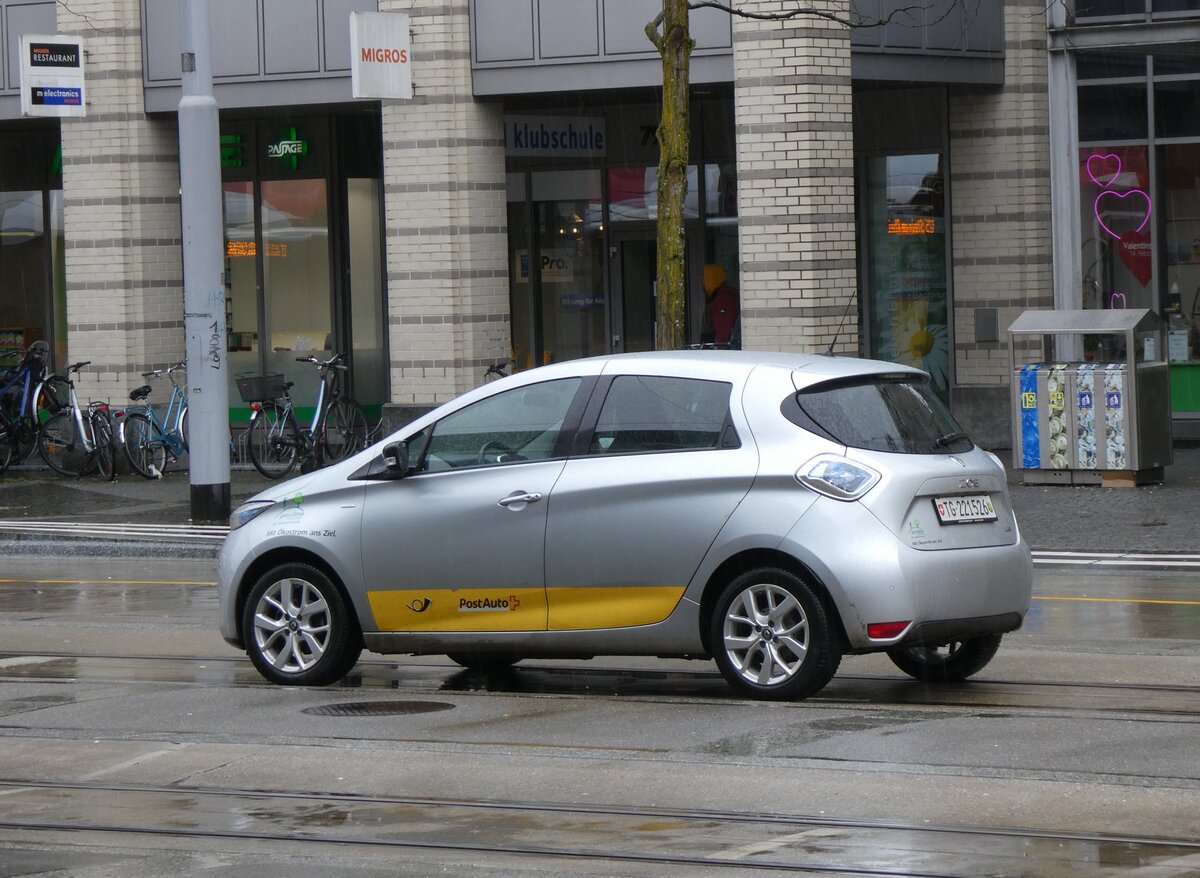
[947,630]
[872,577]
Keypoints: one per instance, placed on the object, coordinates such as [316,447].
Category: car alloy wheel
[771,636]
[296,627]
[947,663]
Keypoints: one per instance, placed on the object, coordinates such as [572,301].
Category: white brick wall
[445,217]
[121,211]
[794,129]
[1000,190]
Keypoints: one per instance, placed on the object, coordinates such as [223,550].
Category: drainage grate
[377,708]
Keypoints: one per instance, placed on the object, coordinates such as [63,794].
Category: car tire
[745,636]
[297,629]
[948,663]
[484,661]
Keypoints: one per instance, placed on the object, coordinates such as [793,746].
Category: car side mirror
[395,458]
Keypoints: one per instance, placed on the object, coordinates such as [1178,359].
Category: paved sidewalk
[1155,518]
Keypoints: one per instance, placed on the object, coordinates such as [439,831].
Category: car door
[641,500]
[458,544]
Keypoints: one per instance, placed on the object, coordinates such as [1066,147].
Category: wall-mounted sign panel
[565,136]
[52,76]
[380,55]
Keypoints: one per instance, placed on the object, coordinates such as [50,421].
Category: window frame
[728,437]
[562,442]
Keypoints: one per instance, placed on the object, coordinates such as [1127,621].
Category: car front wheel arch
[736,565]
[288,555]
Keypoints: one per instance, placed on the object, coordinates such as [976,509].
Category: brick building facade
[881,191]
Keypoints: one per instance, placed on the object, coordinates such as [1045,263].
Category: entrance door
[633,275]
[634,272]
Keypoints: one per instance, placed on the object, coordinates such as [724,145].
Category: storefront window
[295,232]
[303,251]
[1113,112]
[1107,8]
[1174,6]
[1180,202]
[907,311]
[32,290]
[633,194]
[23,264]
[1176,108]
[1117,223]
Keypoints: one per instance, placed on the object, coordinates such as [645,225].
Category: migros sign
[369,55]
[380,51]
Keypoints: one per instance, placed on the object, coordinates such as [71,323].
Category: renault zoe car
[770,511]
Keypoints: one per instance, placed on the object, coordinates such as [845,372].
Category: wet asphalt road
[137,743]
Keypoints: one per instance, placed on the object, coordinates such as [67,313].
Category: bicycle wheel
[147,454]
[273,441]
[344,431]
[22,435]
[6,448]
[183,429]
[61,446]
[104,455]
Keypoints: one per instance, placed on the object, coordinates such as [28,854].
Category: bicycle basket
[256,388]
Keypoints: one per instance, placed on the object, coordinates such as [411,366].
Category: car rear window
[897,414]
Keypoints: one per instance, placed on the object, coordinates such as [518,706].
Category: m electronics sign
[52,76]
[380,56]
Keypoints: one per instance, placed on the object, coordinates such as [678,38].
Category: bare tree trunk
[674,133]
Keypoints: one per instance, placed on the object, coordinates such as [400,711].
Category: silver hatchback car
[771,511]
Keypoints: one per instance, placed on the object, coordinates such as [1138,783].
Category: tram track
[713,839]
[387,675]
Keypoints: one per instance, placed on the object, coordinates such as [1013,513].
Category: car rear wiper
[943,441]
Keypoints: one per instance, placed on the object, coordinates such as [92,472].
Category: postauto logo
[489,605]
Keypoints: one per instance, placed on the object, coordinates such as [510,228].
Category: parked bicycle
[277,441]
[78,440]
[28,397]
[152,441]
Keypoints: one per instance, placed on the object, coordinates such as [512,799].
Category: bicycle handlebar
[77,366]
[332,362]
[166,371]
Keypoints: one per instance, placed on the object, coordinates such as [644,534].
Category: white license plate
[965,509]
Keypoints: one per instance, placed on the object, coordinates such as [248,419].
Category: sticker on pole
[52,82]
[380,55]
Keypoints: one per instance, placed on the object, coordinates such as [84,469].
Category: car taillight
[837,477]
[886,630]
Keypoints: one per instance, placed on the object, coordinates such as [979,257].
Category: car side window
[516,425]
[650,413]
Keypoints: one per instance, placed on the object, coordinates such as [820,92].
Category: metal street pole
[203,272]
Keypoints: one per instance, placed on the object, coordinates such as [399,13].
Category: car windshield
[897,414]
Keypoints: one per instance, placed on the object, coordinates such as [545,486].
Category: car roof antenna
[837,335]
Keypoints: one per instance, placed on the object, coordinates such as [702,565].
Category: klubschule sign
[52,76]
[380,55]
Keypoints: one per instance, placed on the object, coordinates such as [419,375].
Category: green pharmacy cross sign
[288,148]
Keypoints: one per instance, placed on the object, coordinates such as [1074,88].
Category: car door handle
[514,499]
